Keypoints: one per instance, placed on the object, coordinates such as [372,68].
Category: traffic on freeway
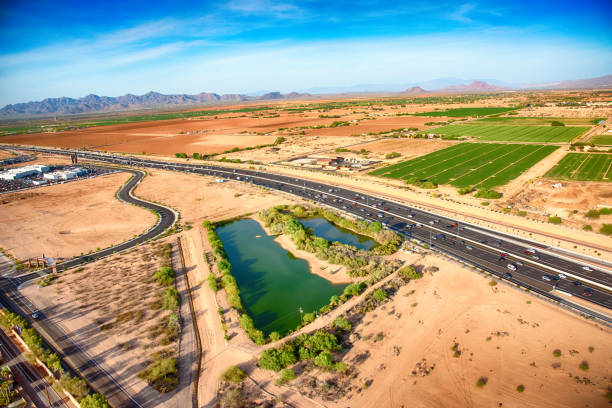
[527,263]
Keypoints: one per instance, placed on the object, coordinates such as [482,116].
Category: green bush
[234,374]
[309,318]
[606,229]
[380,295]
[484,203]
[592,214]
[587,228]
[485,193]
[557,123]
[482,381]
[556,353]
[287,375]
[520,388]
[181,155]
[522,213]
[211,279]
[161,372]
[165,276]
[584,366]
[354,289]
[342,324]
[170,300]
[555,220]
[246,322]
[375,227]
[392,155]
[408,272]
[324,360]
[465,190]
[94,401]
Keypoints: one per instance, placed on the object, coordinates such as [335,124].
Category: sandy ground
[4,154]
[502,334]
[67,219]
[567,112]
[201,197]
[106,308]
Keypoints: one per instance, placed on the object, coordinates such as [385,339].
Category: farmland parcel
[581,166]
[465,112]
[542,134]
[482,165]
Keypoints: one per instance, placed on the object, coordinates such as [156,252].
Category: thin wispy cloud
[461,14]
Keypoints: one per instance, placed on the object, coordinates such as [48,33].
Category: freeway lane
[55,337]
[593,285]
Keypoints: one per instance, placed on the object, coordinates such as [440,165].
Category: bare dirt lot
[466,329]
[199,197]
[67,219]
[113,309]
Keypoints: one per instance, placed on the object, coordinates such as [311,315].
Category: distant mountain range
[98,104]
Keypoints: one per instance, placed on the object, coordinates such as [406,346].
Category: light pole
[301,319]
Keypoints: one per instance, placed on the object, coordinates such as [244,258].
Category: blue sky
[73,48]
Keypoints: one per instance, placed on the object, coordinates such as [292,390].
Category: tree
[324,359]
[380,295]
[54,363]
[74,385]
[342,324]
[94,401]
[375,227]
[234,374]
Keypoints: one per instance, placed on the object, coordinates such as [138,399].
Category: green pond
[273,283]
[325,229]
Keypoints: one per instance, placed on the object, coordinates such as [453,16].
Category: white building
[21,172]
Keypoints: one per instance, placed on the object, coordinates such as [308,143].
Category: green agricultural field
[583,166]
[605,140]
[531,121]
[481,165]
[465,112]
[541,134]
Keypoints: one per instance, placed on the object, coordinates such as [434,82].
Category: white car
[511,267]
[562,276]
[586,268]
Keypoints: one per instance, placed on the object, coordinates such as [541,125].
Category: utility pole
[301,319]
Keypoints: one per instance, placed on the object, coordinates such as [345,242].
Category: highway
[55,337]
[535,265]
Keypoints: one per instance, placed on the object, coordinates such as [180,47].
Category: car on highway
[529,251]
[36,314]
[507,275]
[469,248]
[511,267]
[546,278]
[586,268]
[562,276]
[577,283]
[588,292]
[537,258]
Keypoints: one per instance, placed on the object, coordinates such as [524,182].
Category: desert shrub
[181,155]
[592,214]
[274,336]
[587,228]
[522,213]
[465,190]
[408,272]
[354,289]
[485,193]
[211,280]
[324,359]
[555,220]
[165,276]
[287,375]
[309,318]
[161,372]
[482,381]
[246,322]
[520,388]
[94,401]
[392,155]
[232,398]
[234,374]
[170,300]
[342,324]
[584,366]
[556,353]
[380,295]
[606,229]
[484,203]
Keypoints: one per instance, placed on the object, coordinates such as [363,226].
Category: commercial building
[22,172]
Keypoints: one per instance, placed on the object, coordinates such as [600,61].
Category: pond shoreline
[314,264]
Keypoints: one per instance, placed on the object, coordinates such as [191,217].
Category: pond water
[325,229]
[273,283]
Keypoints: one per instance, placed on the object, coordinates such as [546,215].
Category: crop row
[552,134]
[465,112]
[470,164]
[580,166]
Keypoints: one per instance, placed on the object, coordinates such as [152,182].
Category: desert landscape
[321,207]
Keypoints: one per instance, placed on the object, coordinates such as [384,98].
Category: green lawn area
[481,165]
[531,121]
[465,112]
[583,166]
[605,140]
[542,134]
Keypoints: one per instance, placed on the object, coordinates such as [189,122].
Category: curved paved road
[55,337]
